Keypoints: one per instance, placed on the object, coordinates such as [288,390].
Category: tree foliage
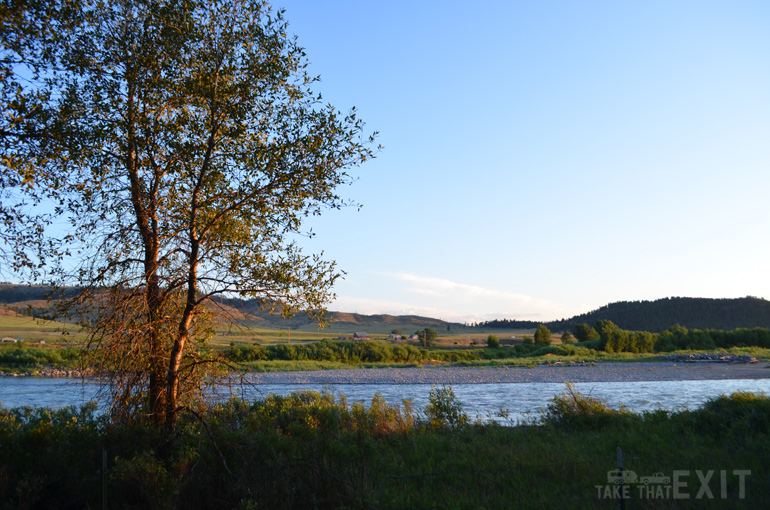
[657,316]
[183,145]
[493,342]
[585,332]
[542,335]
[427,336]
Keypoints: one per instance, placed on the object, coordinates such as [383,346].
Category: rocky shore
[673,369]
[47,372]
[553,373]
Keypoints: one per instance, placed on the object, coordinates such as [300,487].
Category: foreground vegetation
[311,450]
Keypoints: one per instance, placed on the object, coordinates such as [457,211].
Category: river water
[522,401]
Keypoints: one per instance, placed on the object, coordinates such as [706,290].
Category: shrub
[574,409]
[444,410]
[493,342]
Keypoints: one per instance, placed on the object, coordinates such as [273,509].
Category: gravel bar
[600,372]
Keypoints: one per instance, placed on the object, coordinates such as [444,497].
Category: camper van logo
[681,484]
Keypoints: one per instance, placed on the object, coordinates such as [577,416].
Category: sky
[543,159]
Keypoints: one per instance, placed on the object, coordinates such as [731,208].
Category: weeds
[315,450]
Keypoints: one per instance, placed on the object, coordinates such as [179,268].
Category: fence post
[104,477]
[622,478]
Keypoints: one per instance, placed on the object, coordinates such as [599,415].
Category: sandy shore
[601,372]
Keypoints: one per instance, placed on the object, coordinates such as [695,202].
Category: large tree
[185,147]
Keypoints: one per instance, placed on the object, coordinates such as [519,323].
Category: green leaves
[183,145]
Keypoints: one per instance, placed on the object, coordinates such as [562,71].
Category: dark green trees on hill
[659,315]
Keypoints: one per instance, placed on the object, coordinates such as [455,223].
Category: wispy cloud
[440,287]
[403,293]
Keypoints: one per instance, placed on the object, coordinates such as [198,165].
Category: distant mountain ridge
[251,312]
[654,316]
[661,314]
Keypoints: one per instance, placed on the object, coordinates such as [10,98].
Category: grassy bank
[312,451]
[328,355]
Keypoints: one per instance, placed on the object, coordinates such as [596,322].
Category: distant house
[414,337]
[360,335]
[393,336]
[8,339]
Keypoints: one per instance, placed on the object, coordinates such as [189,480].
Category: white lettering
[678,484]
[723,475]
[741,473]
[704,484]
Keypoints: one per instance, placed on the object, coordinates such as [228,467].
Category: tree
[585,332]
[427,336]
[567,338]
[184,146]
[493,342]
[543,335]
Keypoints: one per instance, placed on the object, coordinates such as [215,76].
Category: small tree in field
[543,335]
[427,337]
[567,338]
[493,342]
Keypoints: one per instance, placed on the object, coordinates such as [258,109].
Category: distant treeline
[384,352]
[659,315]
[613,339]
[14,293]
[344,352]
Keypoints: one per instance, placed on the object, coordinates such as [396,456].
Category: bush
[493,342]
[575,409]
[444,410]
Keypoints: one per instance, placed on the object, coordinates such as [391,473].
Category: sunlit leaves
[183,145]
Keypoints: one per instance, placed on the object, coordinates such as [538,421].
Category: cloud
[404,293]
[439,287]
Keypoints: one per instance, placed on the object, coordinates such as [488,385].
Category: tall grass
[312,450]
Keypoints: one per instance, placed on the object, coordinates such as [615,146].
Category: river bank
[597,372]
[542,373]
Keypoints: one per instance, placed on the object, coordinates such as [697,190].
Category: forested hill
[659,315]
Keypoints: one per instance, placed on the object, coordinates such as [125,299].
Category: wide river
[522,401]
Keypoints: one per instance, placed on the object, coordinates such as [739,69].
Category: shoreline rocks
[711,358]
[48,372]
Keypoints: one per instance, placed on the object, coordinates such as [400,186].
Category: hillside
[252,313]
[661,314]
[655,316]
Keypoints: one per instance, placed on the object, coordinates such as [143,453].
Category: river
[522,401]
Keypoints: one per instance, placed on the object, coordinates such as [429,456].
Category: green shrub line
[18,355]
[614,344]
[315,450]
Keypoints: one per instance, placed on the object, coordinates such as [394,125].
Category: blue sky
[542,159]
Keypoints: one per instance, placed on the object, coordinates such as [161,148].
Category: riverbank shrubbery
[347,352]
[678,338]
[356,353]
[15,355]
[314,450]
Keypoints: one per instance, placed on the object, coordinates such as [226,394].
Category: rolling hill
[655,316]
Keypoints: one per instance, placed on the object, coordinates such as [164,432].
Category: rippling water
[522,400]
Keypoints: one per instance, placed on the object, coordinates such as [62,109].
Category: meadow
[246,348]
[314,450]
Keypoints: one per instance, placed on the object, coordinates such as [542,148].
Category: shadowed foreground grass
[311,450]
